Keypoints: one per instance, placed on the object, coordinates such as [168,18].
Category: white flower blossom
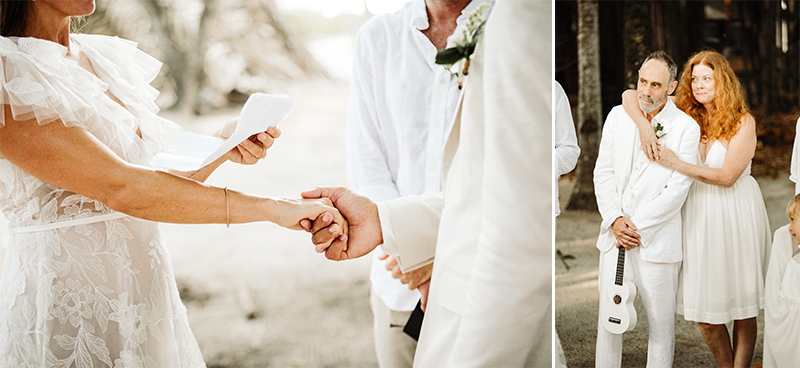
[71,301]
[132,319]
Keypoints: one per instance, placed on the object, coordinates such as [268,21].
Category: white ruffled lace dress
[83,285]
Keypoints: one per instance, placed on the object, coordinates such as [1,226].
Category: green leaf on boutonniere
[449,56]
[478,31]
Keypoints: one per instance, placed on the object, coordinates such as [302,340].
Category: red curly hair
[729,103]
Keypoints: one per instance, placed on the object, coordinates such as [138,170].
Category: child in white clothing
[782,294]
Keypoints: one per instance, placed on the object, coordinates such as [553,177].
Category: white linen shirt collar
[419,14]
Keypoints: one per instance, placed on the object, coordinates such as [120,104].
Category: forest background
[599,47]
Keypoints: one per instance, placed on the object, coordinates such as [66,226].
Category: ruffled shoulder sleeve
[36,82]
[127,70]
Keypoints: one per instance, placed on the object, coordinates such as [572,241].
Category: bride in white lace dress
[87,281]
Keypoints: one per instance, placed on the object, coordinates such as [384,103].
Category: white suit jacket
[627,184]
[491,228]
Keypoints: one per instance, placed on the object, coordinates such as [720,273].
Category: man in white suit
[640,202]
[491,228]
[401,108]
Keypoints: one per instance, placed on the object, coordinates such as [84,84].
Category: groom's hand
[362,217]
[625,232]
[413,278]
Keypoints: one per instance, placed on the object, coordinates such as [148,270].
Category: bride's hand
[252,149]
[647,137]
[667,158]
[290,212]
[649,143]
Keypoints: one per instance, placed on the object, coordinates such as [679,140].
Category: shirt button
[436,124]
[441,81]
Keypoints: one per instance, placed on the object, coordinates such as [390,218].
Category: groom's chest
[634,171]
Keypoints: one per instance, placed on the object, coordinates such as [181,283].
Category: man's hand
[423,290]
[362,218]
[413,278]
[625,232]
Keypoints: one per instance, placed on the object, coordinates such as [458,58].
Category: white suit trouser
[393,347]
[657,285]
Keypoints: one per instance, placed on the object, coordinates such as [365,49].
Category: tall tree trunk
[667,15]
[196,72]
[637,39]
[589,105]
[174,55]
[769,75]
[299,55]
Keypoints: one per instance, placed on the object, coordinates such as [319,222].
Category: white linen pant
[657,285]
[393,347]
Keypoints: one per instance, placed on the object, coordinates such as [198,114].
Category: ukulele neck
[620,266]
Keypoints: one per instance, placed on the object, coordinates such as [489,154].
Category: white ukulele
[617,313]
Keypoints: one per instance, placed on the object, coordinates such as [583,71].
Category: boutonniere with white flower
[461,44]
[660,130]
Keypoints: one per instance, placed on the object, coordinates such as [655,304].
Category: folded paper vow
[192,151]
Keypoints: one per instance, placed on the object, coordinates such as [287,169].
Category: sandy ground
[577,299]
[308,311]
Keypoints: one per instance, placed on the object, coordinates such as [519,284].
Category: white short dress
[83,285]
[726,238]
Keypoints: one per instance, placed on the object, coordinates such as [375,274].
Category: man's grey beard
[657,102]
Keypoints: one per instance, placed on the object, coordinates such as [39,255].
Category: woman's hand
[252,149]
[647,136]
[667,158]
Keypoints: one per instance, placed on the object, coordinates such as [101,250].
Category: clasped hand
[625,232]
[364,234]
[363,225]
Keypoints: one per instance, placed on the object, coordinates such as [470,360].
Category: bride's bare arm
[72,159]
[646,134]
[741,149]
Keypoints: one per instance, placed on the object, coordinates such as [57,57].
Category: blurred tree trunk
[637,39]
[253,48]
[671,16]
[298,54]
[196,75]
[769,75]
[174,54]
[589,105]
[750,15]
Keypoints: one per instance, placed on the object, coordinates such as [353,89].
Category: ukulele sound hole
[617,299]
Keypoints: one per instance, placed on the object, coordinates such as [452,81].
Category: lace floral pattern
[100,291]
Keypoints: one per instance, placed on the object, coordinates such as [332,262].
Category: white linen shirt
[401,109]
[566,142]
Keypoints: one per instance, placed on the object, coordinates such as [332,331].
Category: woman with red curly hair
[726,233]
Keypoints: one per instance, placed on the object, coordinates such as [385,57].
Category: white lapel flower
[659,129]
[461,44]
